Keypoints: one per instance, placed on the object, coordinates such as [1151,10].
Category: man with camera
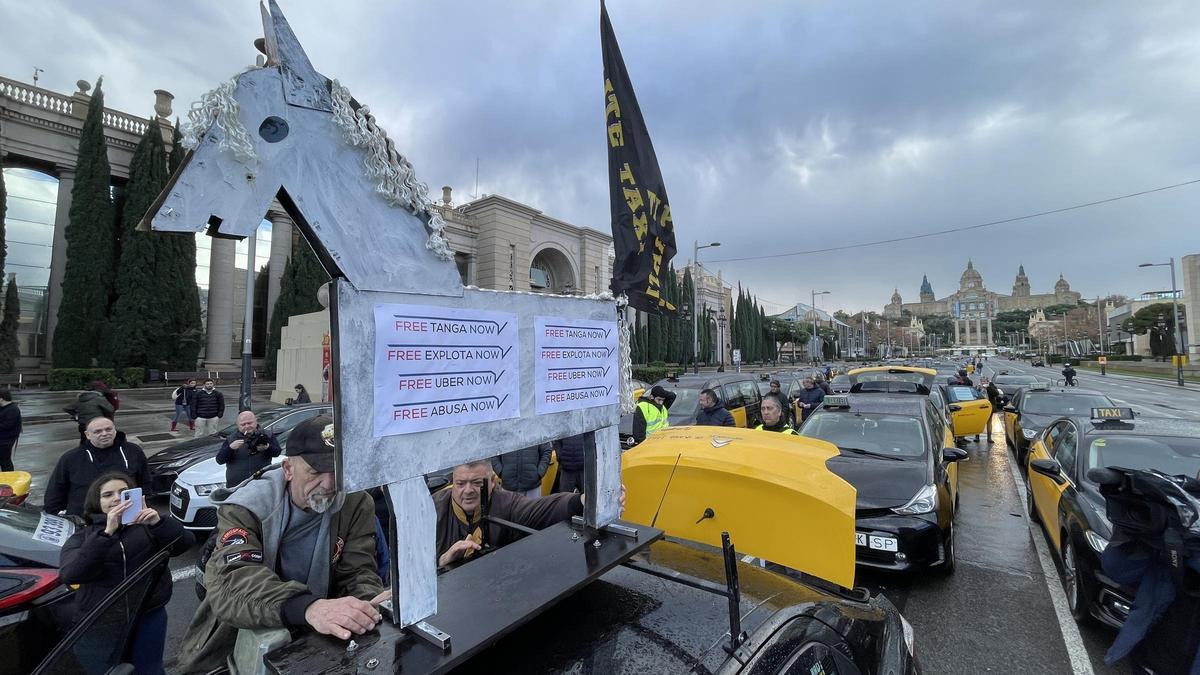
[248,450]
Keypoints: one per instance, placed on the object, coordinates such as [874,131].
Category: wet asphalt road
[995,614]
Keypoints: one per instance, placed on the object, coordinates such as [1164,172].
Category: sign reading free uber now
[575,364]
[438,367]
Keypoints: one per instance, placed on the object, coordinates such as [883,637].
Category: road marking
[1081,663]
[185,573]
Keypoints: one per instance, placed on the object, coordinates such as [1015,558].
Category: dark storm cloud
[779,125]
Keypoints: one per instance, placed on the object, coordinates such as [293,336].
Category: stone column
[281,250]
[957,336]
[58,254]
[991,338]
[473,269]
[978,331]
[219,330]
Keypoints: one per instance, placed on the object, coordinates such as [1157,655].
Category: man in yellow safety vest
[651,413]
[773,419]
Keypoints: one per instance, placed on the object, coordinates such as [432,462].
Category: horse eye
[273,129]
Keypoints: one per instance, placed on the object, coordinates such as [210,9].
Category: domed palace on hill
[973,305]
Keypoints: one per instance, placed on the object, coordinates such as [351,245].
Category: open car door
[697,482]
[969,410]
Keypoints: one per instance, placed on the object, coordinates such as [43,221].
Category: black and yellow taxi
[965,409]
[896,451]
[1070,507]
[969,409]
[1033,408]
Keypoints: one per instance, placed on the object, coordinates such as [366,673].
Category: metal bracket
[611,528]
[432,634]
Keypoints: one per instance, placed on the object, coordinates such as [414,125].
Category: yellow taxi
[965,408]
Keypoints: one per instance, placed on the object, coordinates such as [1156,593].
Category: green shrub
[78,378]
[132,377]
[650,374]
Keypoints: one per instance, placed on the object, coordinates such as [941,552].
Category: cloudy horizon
[779,126]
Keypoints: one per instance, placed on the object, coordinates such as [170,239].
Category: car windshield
[884,434]
[890,376]
[28,536]
[1063,404]
[686,401]
[1015,379]
[840,380]
[1172,456]
[264,419]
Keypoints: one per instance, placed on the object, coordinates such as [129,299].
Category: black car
[1009,384]
[166,465]
[656,613]
[840,384]
[34,605]
[893,451]
[1035,407]
[1071,508]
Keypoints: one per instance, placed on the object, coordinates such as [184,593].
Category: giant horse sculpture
[284,131]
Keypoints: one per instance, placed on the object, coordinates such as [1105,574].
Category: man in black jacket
[570,464]
[183,404]
[104,449]
[712,411]
[208,407]
[247,450]
[521,471]
[809,397]
[785,405]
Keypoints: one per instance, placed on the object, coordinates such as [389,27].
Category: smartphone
[133,495]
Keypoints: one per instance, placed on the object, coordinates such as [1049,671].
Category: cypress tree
[10,348]
[137,331]
[302,276]
[176,156]
[689,331]
[177,273]
[86,280]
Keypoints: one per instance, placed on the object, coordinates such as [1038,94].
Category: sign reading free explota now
[438,367]
[575,364]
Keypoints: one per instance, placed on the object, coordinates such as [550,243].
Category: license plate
[876,542]
[176,502]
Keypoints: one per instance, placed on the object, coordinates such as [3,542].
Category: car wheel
[1077,598]
[947,566]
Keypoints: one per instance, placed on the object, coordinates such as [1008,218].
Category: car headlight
[925,501]
[1029,434]
[1097,542]
[207,489]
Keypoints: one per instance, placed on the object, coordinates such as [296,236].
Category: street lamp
[1178,346]
[696,315]
[721,338]
[813,305]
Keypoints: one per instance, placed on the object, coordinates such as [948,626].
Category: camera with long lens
[1154,509]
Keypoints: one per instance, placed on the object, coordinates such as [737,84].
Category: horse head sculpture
[284,131]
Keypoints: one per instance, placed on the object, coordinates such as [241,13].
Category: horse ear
[303,85]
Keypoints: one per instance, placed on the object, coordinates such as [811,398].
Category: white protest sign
[575,364]
[438,367]
[53,530]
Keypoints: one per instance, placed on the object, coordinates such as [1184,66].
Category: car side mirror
[1049,468]
[953,454]
[954,408]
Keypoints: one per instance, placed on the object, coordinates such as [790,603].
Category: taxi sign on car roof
[835,401]
[1102,414]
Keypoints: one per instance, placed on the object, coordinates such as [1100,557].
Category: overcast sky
[780,126]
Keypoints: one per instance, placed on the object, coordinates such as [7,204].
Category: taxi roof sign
[836,401]
[1113,413]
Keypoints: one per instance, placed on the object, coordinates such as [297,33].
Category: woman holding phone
[103,553]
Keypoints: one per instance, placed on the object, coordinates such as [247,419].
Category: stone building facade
[973,305]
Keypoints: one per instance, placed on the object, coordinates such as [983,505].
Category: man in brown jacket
[459,533]
[291,551]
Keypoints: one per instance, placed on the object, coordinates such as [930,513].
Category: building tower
[971,279]
[926,290]
[1062,292]
[1021,284]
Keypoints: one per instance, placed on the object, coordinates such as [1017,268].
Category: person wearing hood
[291,552]
[104,449]
[651,413]
[712,411]
[105,552]
[773,419]
[88,406]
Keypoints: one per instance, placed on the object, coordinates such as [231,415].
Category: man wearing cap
[291,551]
[651,412]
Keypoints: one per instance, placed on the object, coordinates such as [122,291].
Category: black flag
[643,234]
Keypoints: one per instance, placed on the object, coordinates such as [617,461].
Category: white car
[190,495]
